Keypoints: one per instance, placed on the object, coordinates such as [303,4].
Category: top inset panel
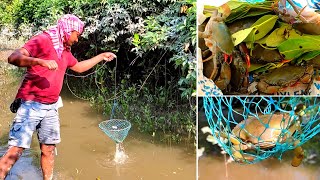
[258,47]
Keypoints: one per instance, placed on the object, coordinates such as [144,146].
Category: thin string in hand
[81,76]
[115,90]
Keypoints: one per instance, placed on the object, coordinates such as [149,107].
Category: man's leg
[47,160]
[8,160]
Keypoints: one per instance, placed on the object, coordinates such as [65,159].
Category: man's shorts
[33,116]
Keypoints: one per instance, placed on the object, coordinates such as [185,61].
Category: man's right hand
[22,58]
[50,64]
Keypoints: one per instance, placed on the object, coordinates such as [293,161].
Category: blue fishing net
[251,129]
[116,129]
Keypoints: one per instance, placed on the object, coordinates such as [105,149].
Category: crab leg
[225,76]
[263,145]
[298,155]
[297,10]
[295,127]
[306,17]
[237,145]
[208,59]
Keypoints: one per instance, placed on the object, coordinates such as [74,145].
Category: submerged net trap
[251,129]
[116,129]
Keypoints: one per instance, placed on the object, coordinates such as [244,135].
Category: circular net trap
[251,129]
[116,129]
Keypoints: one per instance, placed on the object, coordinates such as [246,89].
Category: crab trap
[116,129]
[251,129]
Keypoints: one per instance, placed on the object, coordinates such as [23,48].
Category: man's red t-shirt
[41,84]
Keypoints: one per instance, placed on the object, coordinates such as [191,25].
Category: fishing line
[115,90]
[96,82]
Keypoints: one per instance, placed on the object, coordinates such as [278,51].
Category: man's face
[73,38]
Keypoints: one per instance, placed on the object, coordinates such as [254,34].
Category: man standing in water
[46,56]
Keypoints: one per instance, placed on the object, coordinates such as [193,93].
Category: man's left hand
[108,56]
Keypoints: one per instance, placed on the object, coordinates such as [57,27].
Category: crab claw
[285,61]
[298,157]
[244,49]
[227,58]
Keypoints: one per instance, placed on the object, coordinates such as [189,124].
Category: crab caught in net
[251,129]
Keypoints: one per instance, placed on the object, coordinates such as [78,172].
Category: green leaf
[273,40]
[264,25]
[238,13]
[294,47]
[307,56]
[136,40]
[262,41]
[257,31]
[263,67]
[256,12]
[292,33]
[240,36]
[235,4]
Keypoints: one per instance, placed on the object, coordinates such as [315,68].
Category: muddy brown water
[213,168]
[86,152]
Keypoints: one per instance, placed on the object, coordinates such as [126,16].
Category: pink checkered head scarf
[61,32]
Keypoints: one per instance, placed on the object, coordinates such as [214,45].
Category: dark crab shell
[287,75]
[264,131]
[308,28]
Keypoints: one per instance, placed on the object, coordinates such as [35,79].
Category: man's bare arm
[21,58]
[88,64]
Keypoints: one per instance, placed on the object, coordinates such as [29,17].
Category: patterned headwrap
[62,31]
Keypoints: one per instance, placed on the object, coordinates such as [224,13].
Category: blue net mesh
[116,129]
[251,129]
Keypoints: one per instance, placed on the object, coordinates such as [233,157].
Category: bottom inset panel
[259,137]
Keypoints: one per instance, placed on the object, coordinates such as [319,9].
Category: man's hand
[50,64]
[108,56]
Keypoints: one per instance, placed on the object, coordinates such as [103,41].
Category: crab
[214,37]
[304,19]
[204,82]
[239,74]
[265,132]
[308,28]
[304,15]
[283,77]
[217,34]
[260,54]
[222,75]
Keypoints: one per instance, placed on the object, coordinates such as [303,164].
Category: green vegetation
[155,45]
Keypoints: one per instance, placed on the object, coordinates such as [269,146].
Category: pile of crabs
[260,48]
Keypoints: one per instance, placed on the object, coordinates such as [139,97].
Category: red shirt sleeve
[37,46]
[72,60]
